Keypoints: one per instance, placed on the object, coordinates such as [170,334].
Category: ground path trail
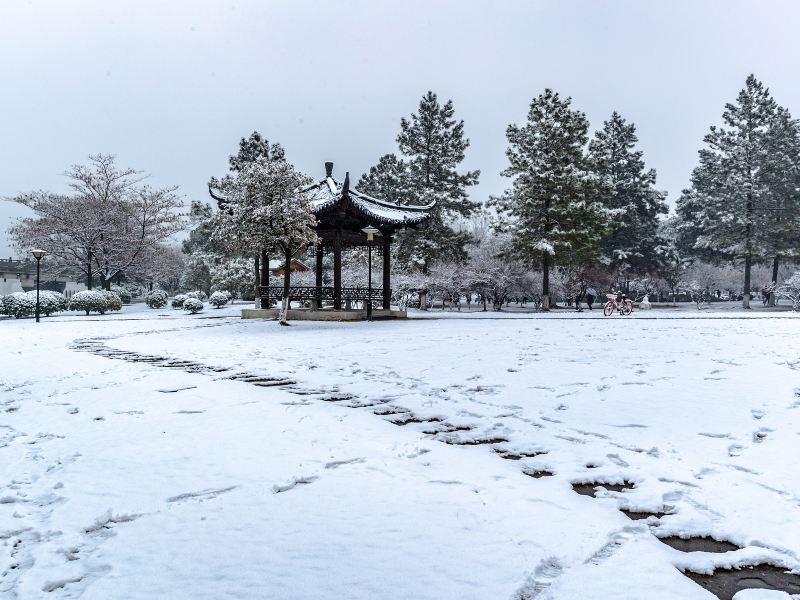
[178,450]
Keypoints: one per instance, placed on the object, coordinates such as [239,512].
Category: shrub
[49,302]
[124,294]
[177,301]
[89,300]
[218,299]
[192,305]
[198,294]
[156,299]
[19,304]
[112,300]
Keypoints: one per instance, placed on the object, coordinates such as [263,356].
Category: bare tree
[109,225]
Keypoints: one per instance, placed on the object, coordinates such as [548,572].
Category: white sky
[170,87]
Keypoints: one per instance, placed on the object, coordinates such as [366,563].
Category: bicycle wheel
[608,309]
[627,307]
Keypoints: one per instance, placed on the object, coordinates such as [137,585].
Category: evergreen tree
[433,144]
[252,148]
[730,209]
[262,208]
[784,181]
[633,243]
[550,209]
[386,180]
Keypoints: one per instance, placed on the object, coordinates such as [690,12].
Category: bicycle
[617,303]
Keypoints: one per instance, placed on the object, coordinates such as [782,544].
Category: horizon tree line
[575,203]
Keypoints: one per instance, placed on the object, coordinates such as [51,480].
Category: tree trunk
[746,296]
[775,264]
[748,259]
[255,287]
[287,273]
[89,270]
[546,282]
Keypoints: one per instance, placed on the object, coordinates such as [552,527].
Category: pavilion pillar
[337,269]
[318,281]
[387,277]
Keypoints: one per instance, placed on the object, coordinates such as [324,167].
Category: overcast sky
[170,87]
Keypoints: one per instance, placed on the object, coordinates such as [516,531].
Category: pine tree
[254,147]
[783,175]
[729,211]
[550,210]
[433,144]
[633,243]
[386,180]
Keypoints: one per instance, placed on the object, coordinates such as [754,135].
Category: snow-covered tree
[251,149]
[106,227]
[730,210]
[234,275]
[264,209]
[630,188]
[386,180]
[433,145]
[551,210]
[790,290]
[784,181]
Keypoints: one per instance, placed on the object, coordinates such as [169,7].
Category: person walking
[591,294]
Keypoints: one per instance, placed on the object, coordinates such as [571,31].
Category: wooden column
[337,269]
[318,273]
[387,277]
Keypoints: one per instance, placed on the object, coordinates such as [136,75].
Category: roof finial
[346,184]
[328,169]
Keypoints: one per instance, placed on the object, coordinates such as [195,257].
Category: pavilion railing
[310,292]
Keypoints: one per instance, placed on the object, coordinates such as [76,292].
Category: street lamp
[371,232]
[38,254]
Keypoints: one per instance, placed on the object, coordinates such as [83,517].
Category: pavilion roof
[328,192]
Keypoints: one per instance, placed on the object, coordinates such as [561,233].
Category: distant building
[276,267]
[20,276]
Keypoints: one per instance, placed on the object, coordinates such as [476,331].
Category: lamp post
[371,232]
[38,254]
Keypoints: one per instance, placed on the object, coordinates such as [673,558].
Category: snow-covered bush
[198,295]
[112,301]
[218,299]
[177,301]
[49,302]
[89,301]
[124,294]
[156,299]
[19,304]
[790,289]
[192,305]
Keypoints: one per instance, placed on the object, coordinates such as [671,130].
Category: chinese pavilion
[342,213]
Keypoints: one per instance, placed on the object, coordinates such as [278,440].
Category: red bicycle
[617,303]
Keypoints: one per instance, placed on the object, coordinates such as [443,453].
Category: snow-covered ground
[260,461]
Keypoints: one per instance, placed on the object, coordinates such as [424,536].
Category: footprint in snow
[279,489]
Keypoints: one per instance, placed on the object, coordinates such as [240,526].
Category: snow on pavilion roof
[328,192]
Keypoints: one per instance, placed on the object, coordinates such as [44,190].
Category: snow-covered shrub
[89,300]
[124,294]
[177,301]
[49,302]
[156,299]
[218,299]
[198,295]
[112,301]
[19,304]
[192,305]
